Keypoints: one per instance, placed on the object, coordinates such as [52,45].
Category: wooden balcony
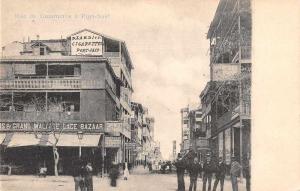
[50,84]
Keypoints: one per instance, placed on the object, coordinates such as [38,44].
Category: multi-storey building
[226,98]
[185,131]
[137,130]
[198,133]
[142,132]
[78,88]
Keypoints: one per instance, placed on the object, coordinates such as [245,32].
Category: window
[61,71]
[198,115]
[42,51]
[6,102]
[112,45]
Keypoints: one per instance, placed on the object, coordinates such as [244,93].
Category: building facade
[142,128]
[226,99]
[195,133]
[185,131]
[73,94]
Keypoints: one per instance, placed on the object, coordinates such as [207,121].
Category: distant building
[142,128]
[185,130]
[198,133]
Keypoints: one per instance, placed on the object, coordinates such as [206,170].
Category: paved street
[139,180]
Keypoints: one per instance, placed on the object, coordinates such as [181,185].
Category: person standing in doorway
[234,173]
[180,168]
[194,169]
[220,174]
[208,171]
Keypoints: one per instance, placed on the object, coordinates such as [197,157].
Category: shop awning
[72,140]
[2,137]
[23,139]
[64,140]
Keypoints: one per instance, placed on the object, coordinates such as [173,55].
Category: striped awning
[2,137]
[64,140]
[22,140]
[72,140]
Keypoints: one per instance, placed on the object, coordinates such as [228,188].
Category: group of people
[83,176]
[206,171]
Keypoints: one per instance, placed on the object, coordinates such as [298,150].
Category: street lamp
[80,136]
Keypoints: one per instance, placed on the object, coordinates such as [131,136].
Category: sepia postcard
[150,95]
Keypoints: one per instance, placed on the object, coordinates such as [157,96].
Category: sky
[166,41]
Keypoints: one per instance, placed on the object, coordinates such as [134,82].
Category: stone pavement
[139,180]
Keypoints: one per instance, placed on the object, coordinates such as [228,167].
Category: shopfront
[29,146]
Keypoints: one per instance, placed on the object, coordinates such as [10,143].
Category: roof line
[97,33]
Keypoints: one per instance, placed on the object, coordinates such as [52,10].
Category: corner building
[78,88]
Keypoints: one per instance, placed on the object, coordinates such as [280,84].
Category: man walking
[194,169]
[234,173]
[77,174]
[180,168]
[207,175]
[220,174]
[247,173]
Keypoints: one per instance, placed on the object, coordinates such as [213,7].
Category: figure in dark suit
[220,174]
[207,175]
[194,169]
[180,168]
[114,174]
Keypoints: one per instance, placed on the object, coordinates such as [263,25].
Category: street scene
[154,182]
[116,101]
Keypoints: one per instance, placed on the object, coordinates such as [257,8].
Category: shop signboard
[114,128]
[86,43]
[112,142]
[130,145]
[51,126]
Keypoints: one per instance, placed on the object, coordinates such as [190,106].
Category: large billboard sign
[51,126]
[86,43]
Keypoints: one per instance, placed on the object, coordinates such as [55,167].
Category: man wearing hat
[208,171]
[234,173]
[194,169]
[180,168]
[220,174]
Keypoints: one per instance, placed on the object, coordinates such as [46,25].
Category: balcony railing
[51,84]
[111,54]
[24,116]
